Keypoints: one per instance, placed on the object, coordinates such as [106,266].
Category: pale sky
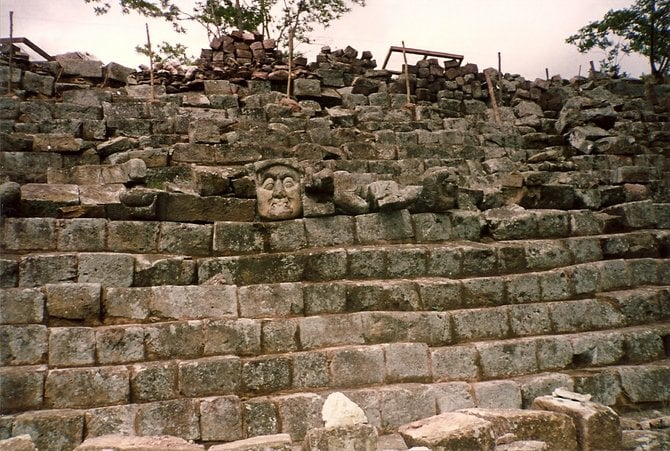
[530,34]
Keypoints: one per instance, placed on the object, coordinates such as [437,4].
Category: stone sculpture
[278,189]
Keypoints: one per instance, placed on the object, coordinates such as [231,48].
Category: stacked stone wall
[439,259]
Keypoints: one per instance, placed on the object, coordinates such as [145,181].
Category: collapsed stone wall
[438,259]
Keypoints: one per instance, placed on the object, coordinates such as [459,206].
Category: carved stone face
[279,193]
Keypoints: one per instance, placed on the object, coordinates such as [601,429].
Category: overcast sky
[530,34]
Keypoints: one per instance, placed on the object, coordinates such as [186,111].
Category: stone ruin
[212,264]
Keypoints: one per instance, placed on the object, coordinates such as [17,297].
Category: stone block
[22,388]
[432,328]
[325,265]
[47,199]
[23,234]
[126,303]
[602,385]
[298,413]
[404,263]
[210,376]
[154,381]
[186,239]
[275,442]
[193,302]
[522,288]
[183,339]
[71,346]
[87,387]
[82,234]
[260,417]
[133,236]
[20,443]
[643,271]
[21,306]
[239,337]
[40,84]
[358,436]
[584,278]
[179,418]
[38,270]
[511,224]
[454,363]
[479,260]
[23,345]
[107,269]
[310,370]
[221,419]
[329,231]
[451,396]
[643,346]
[119,442]
[483,323]
[119,344]
[285,236]
[597,426]
[111,420]
[432,227]
[555,429]
[234,238]
[265,375]
[322,298]
[274,300]
[407,362]
[384,227]
[356,366]
[9,272]
[541,385]
[497,395]
[331,330]
[595,349]
[613,275]
[279,335]
[367,263]
[645,384]
[440,295]
[553,353]
[74,301]
[529,319]
[402,404]
[483,292]
[188,208]
[153,270]
[555,285]
[304,87]
[638,306]
[51,429]
[445,262]
[542,254]
[507,358]
[451,431]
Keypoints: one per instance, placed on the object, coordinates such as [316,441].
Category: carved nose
[278,190]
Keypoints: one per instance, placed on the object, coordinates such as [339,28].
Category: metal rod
[11,52]
[151,64]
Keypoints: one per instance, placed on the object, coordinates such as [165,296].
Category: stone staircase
[142,295]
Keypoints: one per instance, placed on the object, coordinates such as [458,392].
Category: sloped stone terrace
[143,295]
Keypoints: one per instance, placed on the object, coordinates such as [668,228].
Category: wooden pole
[151,64]
[290,62]
[500,89]
[407,87]
[546,71]
[492,93]
[11,52]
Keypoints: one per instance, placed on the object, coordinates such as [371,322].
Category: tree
[642,28]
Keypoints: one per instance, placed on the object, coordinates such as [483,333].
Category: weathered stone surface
[340,411]
[178,418]
[73,301]
[21,306]
[597,426]
[123,443]
[51,429]
[210,376]
[23,344]
[354,437]
[221,419]
[21,443]
[87,387]
[22,388]
[555,429]
[497,394]
[276,442]
[451,431]
[298,413]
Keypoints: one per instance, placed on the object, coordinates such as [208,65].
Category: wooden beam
[28,43]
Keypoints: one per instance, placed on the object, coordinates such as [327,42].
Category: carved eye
[269,184]
[289,182]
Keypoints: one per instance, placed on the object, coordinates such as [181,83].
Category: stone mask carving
[278,190]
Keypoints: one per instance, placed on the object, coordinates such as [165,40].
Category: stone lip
[136,443]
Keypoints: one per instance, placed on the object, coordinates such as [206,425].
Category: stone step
[227,417]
